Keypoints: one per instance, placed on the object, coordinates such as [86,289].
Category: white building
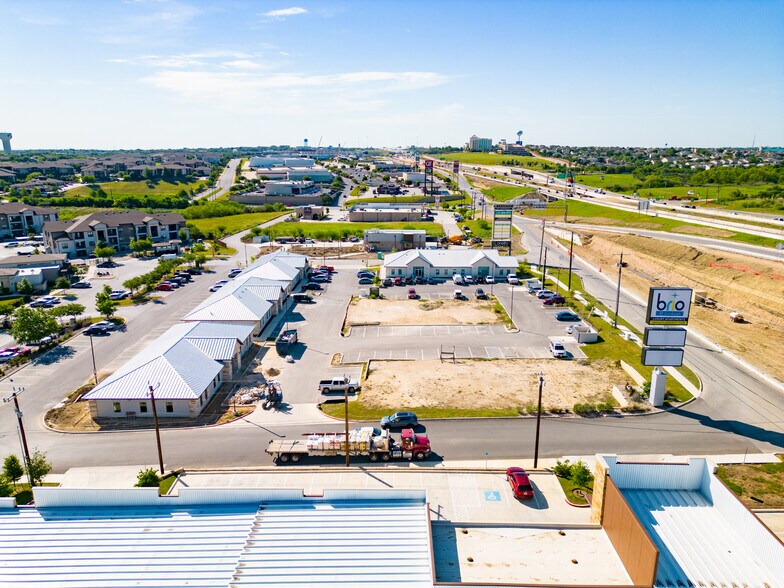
[288,188]
[394,240]
[415,177]
[444,263]
[269,161]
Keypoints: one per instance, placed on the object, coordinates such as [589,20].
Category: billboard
[668,306]
[662,356]
[455,167]
[502,222]
[664,337]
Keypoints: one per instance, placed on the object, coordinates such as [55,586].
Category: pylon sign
[429,165]
[455,167]
[668,306]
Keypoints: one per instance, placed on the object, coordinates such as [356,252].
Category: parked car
[458,279]
[184,275]
[399,420]
[235,272]
[512,280]
[95,330]
[489,280]
[9,353]
[480,294]
[298,297]
[519,482]
[566,315]
[412,295]
[329,268]
[457,294]
[320,277]
[388,282]
[366,272]
[119,294]
[419,281]
[39,303]
[469,279]
[553,300]
[365,281]
[108,325]
[194,271]
[218,285]
[164,287]
[432,281]
[557,349]
[312,286]
[399,281]
[544,293]
[177,280]
[81,285]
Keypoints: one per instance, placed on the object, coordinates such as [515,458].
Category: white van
[458,279]
[168,256]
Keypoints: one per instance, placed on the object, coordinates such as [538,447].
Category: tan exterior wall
[629,538]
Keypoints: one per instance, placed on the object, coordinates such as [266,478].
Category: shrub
[584,408]
[580,475]
[606,406]
[148,478]
[562,469]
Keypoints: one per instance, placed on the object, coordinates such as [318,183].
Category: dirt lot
[471,384]
[758,296]
[421,312]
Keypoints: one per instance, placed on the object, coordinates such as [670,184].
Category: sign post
[502,227]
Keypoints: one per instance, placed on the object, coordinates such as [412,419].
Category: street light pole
[541,245]
[157,429]
[618,293]
[345,396]
[92,351]
[26,457]
[538,420]
[571,255]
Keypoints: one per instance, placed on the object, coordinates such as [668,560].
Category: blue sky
[182,73]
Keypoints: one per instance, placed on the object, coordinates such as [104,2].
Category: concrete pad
[774,521]
[521,555]
[102,477]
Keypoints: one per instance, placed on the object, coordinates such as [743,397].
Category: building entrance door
[419,271]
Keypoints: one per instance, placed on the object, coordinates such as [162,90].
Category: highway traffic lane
[241,444]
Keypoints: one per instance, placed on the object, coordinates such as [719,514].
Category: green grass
[568,489]
[166,484]
[605,180]
[23,493]
[504,193]
[357,411]
[161,188]
[478,228]
[326,230]
[234,223]
[355,191]
[69,212]
[757,485]
[496,159]
[581,211]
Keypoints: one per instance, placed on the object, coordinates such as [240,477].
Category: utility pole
[345,396]
[544,270]
[541,245]
[92,351]
[571,255]
[157,429]
[566,209]
[22,437]
[538,420]
[618,293]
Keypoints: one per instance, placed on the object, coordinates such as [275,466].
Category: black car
[409,281]
[566,315]
[95,330]
[388,282]
[302,298]
[184,275]
[399,420]
[312,286]
[432,281]
[193,271]
[419,281]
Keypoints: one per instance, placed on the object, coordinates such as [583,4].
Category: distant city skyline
[128,74]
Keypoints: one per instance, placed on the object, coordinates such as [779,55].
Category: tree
[199,260]
[105,305]
[25,288]
[140,246]
[580,475]
[134,284]
[38,467]
[6,489]
[103,251]
[12,469]
[62,283]
[72,309]
[148,478]
[32,324]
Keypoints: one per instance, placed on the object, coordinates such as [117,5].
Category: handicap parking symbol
[492,496]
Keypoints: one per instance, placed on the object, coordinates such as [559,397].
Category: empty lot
[421,312]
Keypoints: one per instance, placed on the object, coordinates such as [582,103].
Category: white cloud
[284,12]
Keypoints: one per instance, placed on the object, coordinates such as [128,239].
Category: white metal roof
[240,305]
[698,546]
[177,370]
[447,258]
[217,349]
[275,269]
[338,544]
[216,329]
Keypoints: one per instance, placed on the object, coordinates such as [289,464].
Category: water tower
[519,137]
[305,142]
[6,139]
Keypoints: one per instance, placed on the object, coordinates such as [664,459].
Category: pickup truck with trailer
[285,341]
[343,383]
[373,443]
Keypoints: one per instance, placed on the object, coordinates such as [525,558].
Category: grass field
[161,188]
[235,223]
[359,412]
[504,193]
[605,180]
[581,211]
[496,159]
[327,230]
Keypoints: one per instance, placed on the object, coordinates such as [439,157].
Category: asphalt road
[224,181]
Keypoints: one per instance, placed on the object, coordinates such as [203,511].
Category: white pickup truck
[343,383]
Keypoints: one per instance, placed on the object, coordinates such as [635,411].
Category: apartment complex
[479,144]
[78,237]
[18,219]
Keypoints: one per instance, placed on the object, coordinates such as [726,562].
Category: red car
[412,295]
[521,485]
[329,268]
[399,281]
[553,300]
[164,287]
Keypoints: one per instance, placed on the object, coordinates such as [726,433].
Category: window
[142,407]
[438,272]
[169,407]
[116,407]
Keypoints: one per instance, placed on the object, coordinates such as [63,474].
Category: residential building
[479,144]
[444,263]
[39,270]
[18,219]
[393,240]
[78,237]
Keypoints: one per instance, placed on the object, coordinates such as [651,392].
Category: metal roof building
[705,536]
[216,537]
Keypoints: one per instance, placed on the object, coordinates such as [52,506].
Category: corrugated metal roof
[217,349]
[275,269]
[338,544]
[241,305]
[697,544]
[293,259]
[112,547]
[181,371]
[447,258]
[217,330]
